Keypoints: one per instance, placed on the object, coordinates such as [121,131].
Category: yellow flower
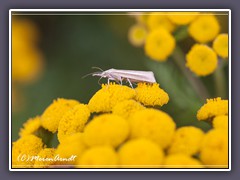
[23,32]
[151,94]
[152,124]
[72,145]
[26,65]
[142,18]
[214,150]
[126,108]
[186,140]
[205,28]
[26,146]
[181,161]
[55,111]
[182,18]
[73,121]
[159,20]
[110,95]
[98,157]
[220,122]
[201,60]
[45,158]
[159,44]
[213,107]
[137,35]
[140,153]
[220,45]
[106,129]
[27,61]
[31,126]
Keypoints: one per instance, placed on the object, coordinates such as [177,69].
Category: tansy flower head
[98,157]
[152,124]
[140,153]
[73,121]
[142,18]
[186,140]
[110,95]
[55,111]
[220,122]
[213,107]
[151,94]
[24,31]
[72,145]
[137,35]
[26,65]
[205,28]
[26,59]
[26,146]
[181,161]
[30,127]
[45,158]
[127,108]
[220,45]
[201,60]
[106,129]
[159,44]
[182,18]
[214,150]
[159,20]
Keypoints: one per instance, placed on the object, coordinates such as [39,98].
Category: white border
[113,10]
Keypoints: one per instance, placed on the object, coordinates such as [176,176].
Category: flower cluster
[159,32]
[122,127]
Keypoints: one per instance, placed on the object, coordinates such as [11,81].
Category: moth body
[128,75]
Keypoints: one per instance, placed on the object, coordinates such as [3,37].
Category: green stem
[195,82]
[220,81]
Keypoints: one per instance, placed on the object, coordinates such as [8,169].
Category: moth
[120,75]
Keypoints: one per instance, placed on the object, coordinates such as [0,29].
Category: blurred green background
[72,44]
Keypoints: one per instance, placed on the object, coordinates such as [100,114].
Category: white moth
[128,75]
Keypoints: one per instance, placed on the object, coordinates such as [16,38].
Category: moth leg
[110,79]
[130,83]
[99,80]
[120,80]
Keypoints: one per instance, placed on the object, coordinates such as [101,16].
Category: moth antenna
[97,68]
[89,74]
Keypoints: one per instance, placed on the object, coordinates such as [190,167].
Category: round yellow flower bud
[110,95]
[182,18]
[159,20]
[151,94]
[152,124]
[214,150]
[106,129]
[55,111]
[201,60]
[205,28]
[213,107]
[159,44]
[46,158]
[220,122]
[98,157]
[220,45]
[72,147]
[137,35]
[140,153]
[181,161]
[73,121]
[31,126]
[186,140]
[26,146]
[126,108]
